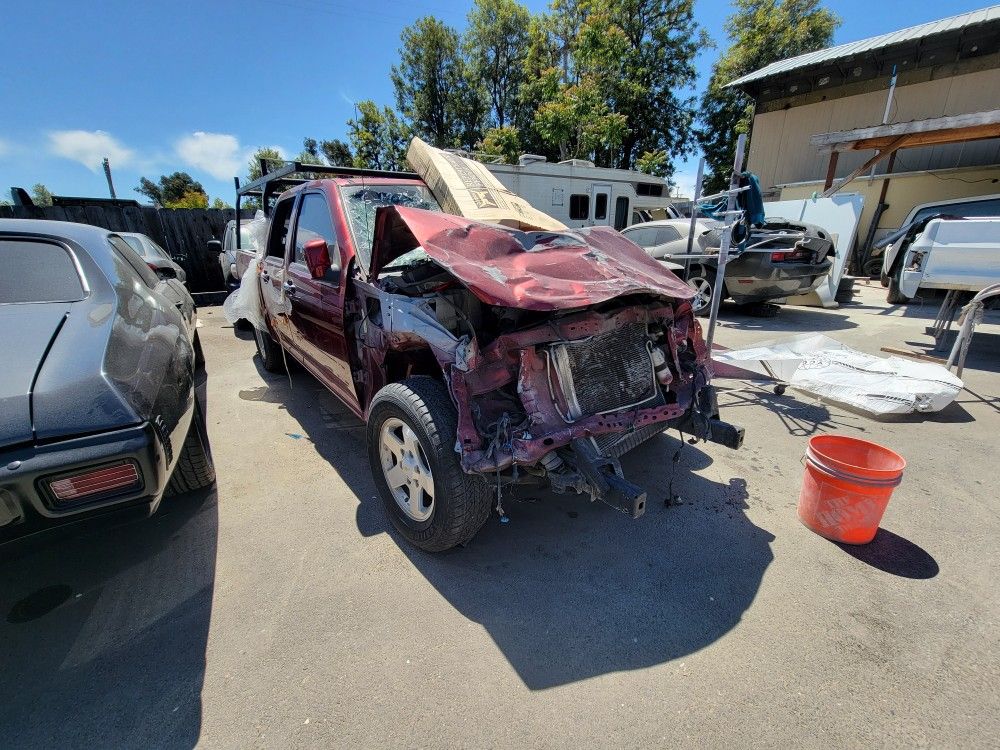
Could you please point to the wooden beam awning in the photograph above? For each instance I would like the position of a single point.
(936, 130)
(888, 139)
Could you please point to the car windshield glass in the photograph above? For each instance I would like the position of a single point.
(362, 201)
(37, 272)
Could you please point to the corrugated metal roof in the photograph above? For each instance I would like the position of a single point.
(850, 49)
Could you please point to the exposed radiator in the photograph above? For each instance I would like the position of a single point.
(605, 373)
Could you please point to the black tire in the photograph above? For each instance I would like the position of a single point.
(895, 296)
(269, 351)
(194, 468)
(461, 502)
(702, 279)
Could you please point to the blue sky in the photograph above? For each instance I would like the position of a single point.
(160, 87)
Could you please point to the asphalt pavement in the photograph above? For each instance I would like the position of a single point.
(280, 610)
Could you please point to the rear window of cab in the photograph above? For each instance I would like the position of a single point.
(37, 271)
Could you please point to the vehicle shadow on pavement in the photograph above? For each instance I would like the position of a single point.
(103, 632)
(570, 589)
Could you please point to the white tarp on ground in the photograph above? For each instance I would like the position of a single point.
(826, 368)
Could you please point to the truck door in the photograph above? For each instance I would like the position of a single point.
(272, 275)
(602, 199)
(317, 309)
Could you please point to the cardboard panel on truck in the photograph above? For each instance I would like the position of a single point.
(466, 188)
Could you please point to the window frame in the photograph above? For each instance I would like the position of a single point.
(600, 215)
(574, 200)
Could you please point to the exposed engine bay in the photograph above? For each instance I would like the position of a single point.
(542, 388)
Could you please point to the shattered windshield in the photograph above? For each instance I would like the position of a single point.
(361, 202)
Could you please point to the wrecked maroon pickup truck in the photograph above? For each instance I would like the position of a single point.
(479, 356)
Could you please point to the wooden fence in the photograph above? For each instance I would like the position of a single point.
(183, 232)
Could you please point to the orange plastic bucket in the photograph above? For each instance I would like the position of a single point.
(847, 486)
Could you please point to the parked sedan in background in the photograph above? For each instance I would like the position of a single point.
(155, 256)
(782, 258)
(98, 411)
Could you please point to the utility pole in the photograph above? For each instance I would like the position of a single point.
(107, 173)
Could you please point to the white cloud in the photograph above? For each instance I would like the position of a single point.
(218, 154)
(89, 148)
(5, 147)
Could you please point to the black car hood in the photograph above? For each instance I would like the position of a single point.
(27, 335)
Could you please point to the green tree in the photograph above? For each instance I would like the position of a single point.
(434, 90)
(496, 44)
(171, 188)
(503, 142)
(760, 32)
(378, 137)
(640, 55)
(271, 155)
(579, 121)
(219, 203)
(41, 195)
(654, 163)
(190, 199)
(337, 153)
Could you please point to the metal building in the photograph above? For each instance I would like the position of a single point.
(830, 117)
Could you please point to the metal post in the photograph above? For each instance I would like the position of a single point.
(107, 173)
(727, 235)
(236, 180)
(694, 215)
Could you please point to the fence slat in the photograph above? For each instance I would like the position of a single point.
(182, 232)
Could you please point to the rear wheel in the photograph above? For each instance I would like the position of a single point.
(194, 468)
(269, 351)
(427, 496)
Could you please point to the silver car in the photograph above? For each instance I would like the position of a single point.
(155, 256)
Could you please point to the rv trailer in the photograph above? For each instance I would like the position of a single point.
(579, 194)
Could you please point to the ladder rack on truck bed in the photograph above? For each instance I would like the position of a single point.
(273, 182)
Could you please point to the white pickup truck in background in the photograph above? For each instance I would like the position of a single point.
(962, 254)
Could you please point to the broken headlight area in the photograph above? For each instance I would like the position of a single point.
(566, 399)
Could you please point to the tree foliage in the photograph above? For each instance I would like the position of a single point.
(378, 137)
(171, 189)
(268, 154)
(435, 92)
(40, 195)
(337, 153)
(496, 44)
(190, 199)
(502, 142)
(761, 32)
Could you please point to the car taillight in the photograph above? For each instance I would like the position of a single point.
(101, 481)
(779, 256)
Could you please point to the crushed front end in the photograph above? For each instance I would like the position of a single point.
(561, 351)
(566, 399)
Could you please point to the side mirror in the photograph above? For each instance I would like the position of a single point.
(317, 257)
(213, 246)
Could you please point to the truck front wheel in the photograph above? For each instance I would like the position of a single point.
(411, 438)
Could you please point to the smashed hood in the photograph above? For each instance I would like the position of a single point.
(526, 270)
